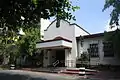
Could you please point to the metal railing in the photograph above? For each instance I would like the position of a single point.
(56, 63)
(70, 62)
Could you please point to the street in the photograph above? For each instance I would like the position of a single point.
(27, 75)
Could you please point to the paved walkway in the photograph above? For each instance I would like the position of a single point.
(50, 70)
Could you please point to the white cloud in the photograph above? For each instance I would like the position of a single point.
(44, 24)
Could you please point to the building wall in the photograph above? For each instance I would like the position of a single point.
(65, 30)
(101, 59)
(79, 31)
(46, 58)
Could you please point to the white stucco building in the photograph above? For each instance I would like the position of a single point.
(64, 44)
(100, 50)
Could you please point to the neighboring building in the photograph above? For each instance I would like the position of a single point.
(63, 44)
(100, 50)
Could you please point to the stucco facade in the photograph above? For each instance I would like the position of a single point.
(66, 31)
(101, 58)
(64, 44)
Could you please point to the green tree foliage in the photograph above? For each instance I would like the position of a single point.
(24, 13)
(27, 43)
(84, 57)
(115, 4)
(17, 45)
(8, 47)
(114, 37)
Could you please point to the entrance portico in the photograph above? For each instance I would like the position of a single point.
(56, 52)
(60, 45)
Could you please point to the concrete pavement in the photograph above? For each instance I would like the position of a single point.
(28, 75)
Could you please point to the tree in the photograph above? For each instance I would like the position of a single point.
(26, 14)
(8, 46)
(16, 14)
(114, 38)
(22, 13)
(84, 59)
(27, 43)
(115, 35)
(115, 4)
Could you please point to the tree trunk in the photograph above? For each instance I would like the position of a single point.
(5, 60)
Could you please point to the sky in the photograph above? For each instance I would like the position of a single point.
(90, 16)
(44, 25)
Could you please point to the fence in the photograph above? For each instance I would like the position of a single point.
(71, 63)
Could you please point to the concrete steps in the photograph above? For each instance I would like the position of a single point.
(64, 70)
(78, 71)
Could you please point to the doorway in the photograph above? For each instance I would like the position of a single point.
(60, 55)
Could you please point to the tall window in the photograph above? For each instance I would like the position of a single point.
(108, 49)
(93, 50)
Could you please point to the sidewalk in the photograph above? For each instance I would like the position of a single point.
(101, 75)
(48, 70)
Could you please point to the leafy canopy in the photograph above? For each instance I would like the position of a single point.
(26, 14)
(115, 35)
(27, 43)
(16, 13)
(115, 4)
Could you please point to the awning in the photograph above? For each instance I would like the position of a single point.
(61, 43)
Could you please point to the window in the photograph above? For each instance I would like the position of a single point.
(108, 49)
(93, 50)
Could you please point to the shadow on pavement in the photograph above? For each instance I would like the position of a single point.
(6, 76)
